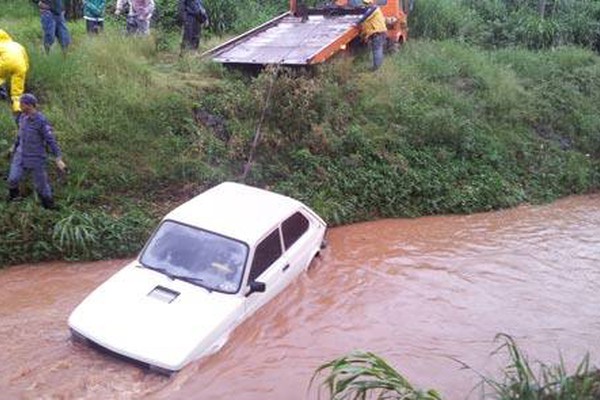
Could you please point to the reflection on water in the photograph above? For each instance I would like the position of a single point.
(422, 293)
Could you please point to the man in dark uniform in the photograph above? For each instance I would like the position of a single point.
(29, 154)
(193, 15)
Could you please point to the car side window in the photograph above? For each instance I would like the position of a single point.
(267, 252)
(292, 228)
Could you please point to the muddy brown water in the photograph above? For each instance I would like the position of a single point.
(422, 293)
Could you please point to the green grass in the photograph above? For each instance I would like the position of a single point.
(363, 375)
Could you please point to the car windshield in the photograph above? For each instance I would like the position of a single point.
(197, 256)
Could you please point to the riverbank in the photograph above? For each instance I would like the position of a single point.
(444, 127)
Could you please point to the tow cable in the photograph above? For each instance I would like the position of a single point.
(257, 131)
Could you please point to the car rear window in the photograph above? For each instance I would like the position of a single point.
(292, 228)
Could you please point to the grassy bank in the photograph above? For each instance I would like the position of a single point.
(447, 126)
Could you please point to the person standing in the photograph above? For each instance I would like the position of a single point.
(29, 152)
(193, 15)
(374, 31)
(54, 25)
(93, 13)
(14, 64)
(138, 18)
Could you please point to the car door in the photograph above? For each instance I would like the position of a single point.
(268, 266)
(300, 242)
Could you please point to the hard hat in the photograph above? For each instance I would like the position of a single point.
(368, 1)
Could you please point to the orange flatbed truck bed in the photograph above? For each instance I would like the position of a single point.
(304, 36)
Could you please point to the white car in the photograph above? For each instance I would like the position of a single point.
(211, 263)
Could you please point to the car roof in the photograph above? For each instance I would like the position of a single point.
(235, 210)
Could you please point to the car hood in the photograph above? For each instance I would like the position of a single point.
(144, 315)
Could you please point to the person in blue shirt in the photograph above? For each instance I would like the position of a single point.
(29, 152)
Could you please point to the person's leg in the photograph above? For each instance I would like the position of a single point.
(195, 38)
(3, 92)
(191, 29)
(62, 32)
(17, 88)
(89, 26)
(93, 27)
(185, 38)
(42, 186)
(377, 43)
(143, 26)
(48, 28)
(14, 177)
(131, 24)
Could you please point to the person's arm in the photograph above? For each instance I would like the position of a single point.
(50, 140)
(120, 5)
(181, 9)
(367, 14)
(15, 145)
(44, 5)
(203, 15)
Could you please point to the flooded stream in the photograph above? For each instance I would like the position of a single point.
(422, 293)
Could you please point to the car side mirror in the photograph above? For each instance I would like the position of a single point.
(256, 286)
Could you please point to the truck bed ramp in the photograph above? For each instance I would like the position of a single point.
(289, 40)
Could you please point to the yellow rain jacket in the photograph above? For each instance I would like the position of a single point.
(13, 64)
(374, 23)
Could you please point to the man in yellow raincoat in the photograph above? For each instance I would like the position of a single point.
(374, 31)
(13, 65)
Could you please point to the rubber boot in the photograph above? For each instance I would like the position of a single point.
(48, 203)
(13, 194)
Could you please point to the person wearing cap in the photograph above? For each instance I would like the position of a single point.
(54, 25)
(374, 31)
(29, 152)
(14, 64)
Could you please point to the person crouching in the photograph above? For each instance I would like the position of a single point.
(29, 152)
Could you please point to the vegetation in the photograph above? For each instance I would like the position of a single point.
(473, 114)
(360, 374)
(364, 375)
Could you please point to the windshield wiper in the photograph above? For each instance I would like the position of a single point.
(163, 271)
(192, 280)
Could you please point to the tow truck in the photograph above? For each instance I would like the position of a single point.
(310, 35)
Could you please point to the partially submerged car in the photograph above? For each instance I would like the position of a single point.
(210, 264)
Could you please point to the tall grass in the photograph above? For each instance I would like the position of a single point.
(552, 381)
(364, 375)
(497, 23)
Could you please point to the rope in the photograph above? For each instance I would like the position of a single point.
(257, 131)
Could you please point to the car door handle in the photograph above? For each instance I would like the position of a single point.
(285, 268)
